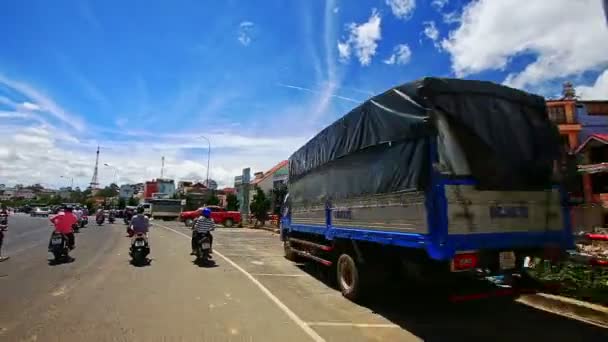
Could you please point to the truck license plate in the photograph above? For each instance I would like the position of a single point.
(507, 260)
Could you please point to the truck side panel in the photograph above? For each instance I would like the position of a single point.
(397, 212)
(392, 219)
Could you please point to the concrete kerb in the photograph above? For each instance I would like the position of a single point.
(572, 308)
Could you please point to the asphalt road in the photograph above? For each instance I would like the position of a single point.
(252, 294)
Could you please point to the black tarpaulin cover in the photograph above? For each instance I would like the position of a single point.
(382, 145)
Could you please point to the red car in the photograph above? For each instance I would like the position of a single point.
(219, 215)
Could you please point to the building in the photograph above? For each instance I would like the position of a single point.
(126, 191)
(563, 114)
(270, 179)
(583, 127)
(593, 118)
(24, 193)
(7, 194)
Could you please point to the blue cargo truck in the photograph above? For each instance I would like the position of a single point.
(437, 180)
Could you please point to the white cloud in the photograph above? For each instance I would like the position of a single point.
(38, 154)
(30, 106)
(34, 149)
(344, 50)
(245, 32)
(451, 17)
(566, 38)
(439, 4)
(431, 32)
(598, 91)
(402, 9)
(401, 55)
(42, 102)
(363, 39)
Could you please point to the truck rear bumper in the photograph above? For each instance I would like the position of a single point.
(446, 249)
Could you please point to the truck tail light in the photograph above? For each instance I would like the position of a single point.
(465, 261)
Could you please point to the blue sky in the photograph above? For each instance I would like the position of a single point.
(144, 79)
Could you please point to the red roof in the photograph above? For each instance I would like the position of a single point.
(603, 138)
(270, 172)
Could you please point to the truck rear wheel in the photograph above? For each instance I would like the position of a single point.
(228, 223)
(348, 274)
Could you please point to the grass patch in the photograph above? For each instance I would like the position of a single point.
(571, 279)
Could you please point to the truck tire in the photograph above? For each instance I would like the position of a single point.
(348, 276)
(228, 223)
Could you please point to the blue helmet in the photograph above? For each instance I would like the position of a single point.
(206, 212)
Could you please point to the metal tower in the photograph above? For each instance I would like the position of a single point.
(94, 182)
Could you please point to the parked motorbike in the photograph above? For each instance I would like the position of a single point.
(59, 247)
(139, 249)
(203, 250)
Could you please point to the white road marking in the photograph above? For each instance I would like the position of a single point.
(277, 275)
(297, 320)
(256, 262)
(356, 325)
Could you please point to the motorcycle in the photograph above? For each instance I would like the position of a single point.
(59, 247)
(139, 249)
(111, 219)
(100, 219)
(3, 228)
(76, 227)
(84, 221)
(203, 249)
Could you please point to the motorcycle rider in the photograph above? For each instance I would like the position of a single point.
(78, 212)
(202, 226)
(3, 228)
(64, 223)
(140, 223)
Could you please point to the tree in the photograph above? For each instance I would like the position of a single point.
(121, 203)
(213, 200)
(108, 191)
(278, 197)
(115, 187)
(232, 202)
(259, 206)
(132, 202)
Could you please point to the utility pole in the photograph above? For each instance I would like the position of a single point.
(162, 168)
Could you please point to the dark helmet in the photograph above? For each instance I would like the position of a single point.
(206, 212)
(140, 210)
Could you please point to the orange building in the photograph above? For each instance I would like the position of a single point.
(563, 113)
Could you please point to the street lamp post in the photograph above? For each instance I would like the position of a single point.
(208, 157)
(115, 173)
